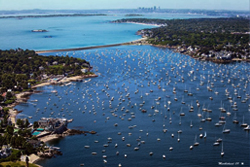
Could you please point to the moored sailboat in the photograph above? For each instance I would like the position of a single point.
(225, 130)
(222, 152)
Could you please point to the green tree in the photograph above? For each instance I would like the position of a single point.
(28, 148)
(5, 120)
(1, 141)
(9, 95)
(26, 124)
(19, 141)
(20, 123)
(3, 89)
(1, 98)
(35, 124)
(10, 130)
(13, 141)
(7, 138)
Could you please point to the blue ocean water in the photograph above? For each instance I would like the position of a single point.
(137, 77)
(71, 32)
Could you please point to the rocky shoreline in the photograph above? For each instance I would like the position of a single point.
(219, 61)
(57, 151)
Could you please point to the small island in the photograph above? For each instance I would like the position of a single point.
(221, 40)
(131, 15)
(40, 30)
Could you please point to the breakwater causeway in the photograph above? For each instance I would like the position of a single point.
(139, 41)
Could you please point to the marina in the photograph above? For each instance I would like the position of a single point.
(140, 104)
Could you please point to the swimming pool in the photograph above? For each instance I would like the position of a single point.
(35, 133)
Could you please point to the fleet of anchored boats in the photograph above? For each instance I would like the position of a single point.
(145, 87)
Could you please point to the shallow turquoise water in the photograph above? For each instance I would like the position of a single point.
(70, 32)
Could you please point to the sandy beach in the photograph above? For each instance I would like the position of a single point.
(22, 97)
(145, 24)
(65, 80)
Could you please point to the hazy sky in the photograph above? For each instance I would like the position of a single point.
(121, 4)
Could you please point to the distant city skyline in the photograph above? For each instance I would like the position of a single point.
(125, 4)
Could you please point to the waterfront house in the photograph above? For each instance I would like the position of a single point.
(41, 68)
(55, 63)
(55, 125)
(84, 70)
(85, 65)
(45, 76)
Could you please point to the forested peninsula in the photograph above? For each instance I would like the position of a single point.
(21, 69)
(216, 39)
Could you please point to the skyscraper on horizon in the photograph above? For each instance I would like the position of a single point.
(149, 9)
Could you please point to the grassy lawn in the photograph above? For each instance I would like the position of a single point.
(17, 164)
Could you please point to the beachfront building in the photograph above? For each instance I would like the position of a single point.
(84, 70)
(54, 125)
(54, 79)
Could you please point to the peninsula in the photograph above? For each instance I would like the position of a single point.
(23, 70)
(220, 40)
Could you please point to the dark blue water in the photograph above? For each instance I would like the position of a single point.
(153, 73)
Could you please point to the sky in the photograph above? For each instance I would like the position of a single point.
(124, 4)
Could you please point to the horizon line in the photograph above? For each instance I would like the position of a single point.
(126, 9)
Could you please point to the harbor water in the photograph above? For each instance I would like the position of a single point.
(148, 105)
(137, 100)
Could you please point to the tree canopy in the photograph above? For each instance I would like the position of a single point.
(206, 34)
(20, 67)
